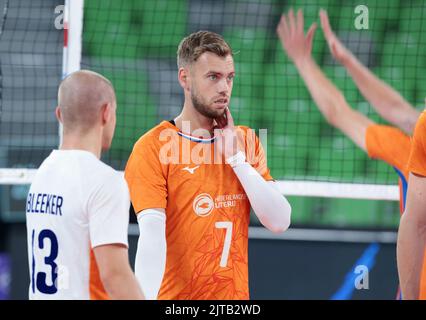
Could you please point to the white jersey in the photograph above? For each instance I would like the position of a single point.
(75, 203)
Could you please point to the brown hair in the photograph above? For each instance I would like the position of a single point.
(194, 45)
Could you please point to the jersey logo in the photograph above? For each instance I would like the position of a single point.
(203, 205)
(191, 170)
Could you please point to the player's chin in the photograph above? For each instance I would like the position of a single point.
(218, 108)
(215, 113)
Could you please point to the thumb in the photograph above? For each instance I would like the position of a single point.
(334, 51)
(310, 35)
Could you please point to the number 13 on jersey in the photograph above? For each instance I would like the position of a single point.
(44, 282)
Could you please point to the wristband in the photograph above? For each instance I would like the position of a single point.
(237, 159)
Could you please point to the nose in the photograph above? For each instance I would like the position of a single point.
(224, 87)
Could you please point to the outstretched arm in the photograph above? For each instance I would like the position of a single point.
(328, 98)
(386, 101)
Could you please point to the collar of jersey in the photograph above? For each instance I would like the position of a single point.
(189, 137)
(195, 139)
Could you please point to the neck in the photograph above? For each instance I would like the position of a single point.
(195, 119)
(88, 142)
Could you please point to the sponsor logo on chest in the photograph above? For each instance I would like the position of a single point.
(204, 203)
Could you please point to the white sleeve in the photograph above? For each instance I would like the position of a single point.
(269, 205)
(151, 253)
(108, 210)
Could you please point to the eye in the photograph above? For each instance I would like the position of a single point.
(212, 77)
(231, 77)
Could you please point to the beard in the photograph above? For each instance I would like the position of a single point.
(204, 108)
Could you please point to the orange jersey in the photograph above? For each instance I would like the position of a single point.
(207, 211)
(417, 161)
(392, 146)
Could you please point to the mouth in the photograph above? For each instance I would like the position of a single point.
(222, 103)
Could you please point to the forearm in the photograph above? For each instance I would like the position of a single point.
(122, 286)
(327, 97)
(410, 250)
(151, 253)
(116, 275)
(269, 205)
(387, 102)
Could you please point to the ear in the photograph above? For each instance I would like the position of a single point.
(106, 112)
(184, 78)
(58, 114)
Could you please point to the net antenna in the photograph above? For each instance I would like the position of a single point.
(73, 27)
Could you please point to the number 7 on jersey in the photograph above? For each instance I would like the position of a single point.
(228, 237)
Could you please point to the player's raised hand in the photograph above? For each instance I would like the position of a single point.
(292, 36)
(338, 50)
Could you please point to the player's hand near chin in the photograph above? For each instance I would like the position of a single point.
(229, 139)
(272, 209)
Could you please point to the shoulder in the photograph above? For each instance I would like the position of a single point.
(385, 133)
(419, 131)
(104, 177)
(154, 138)
(244, 128)
(246, 131)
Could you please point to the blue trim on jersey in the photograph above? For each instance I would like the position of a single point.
(404, 186)
(211, 140)
(367, 259)
(33, 264)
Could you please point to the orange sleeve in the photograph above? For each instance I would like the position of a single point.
(145, 176)
(255, 154)
(417, 160)
(388, 144)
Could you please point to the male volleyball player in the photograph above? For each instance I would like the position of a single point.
(388, 143)
(412, 229)
(193, 210)
(78, 207)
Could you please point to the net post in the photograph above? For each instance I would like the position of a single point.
(73, 30)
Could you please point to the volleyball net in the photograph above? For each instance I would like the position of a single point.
(134, 43)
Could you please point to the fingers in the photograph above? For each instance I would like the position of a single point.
(300, 22)
(325, 23)
(291, 25)
(310, 35)
(282, 29)
(230, 119)
(292, 22)
(334, 51)
(221, 122)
